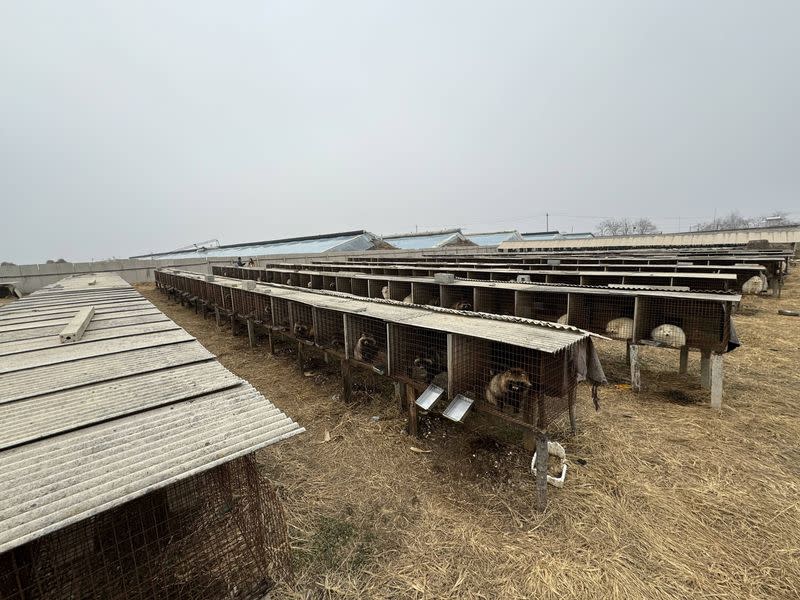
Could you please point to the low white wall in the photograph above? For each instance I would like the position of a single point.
(29, 278)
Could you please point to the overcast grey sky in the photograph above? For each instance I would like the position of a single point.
(139, 126)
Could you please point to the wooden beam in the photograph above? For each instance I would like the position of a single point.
(347, 381)
(413, 417)
(73, 331)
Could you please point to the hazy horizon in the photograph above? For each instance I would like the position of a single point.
(131, 128)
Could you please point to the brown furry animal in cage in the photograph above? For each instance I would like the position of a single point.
(366, 349)
(461, 305)
(433, 301)
(303, 331)
(508, 387)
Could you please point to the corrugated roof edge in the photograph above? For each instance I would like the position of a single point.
(307, 238)
(474, 314)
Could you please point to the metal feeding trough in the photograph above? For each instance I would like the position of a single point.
(429, 397)
(457, 409)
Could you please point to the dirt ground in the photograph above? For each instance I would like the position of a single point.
(664, 498)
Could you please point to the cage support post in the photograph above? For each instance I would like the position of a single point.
(347, 381)
(300, 356)
(400, 395)
(628, 352)
(216, 314)
(234, 328)
(684, 361)
(251, 333)
(705, 370)
(573, 422)
(541, 471)
(716, 380)
(413, 417)
(203, 309)
(636, 374)
(270, 342)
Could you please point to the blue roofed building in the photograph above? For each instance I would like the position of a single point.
(348, 241)
(426, 240)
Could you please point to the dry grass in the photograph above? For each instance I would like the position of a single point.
(664, 498)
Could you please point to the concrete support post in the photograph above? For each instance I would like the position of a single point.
(683, 366)
(636, 375)
(413, 417)
(251, 333)
(716, 380)
(542, 457)
(705, 369)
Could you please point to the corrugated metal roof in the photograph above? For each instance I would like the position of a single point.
(135, 405)
(774, 235)
(425, 239)
(493, 238)
(540, 335)
(350, 242)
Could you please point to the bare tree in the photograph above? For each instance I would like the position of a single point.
(734, 220)
(625, 226)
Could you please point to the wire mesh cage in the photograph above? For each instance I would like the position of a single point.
(329, 329)
(302, 317)
(343, 284)
(673, 322)
(544, 306)
(457, 297)
(378, 288)
(281, 319)
(316, 282)
(219, 534)
(303, 279)
(329, 282)
(520, 385)
(425, 293)
(494, 300)
(610, 315)
(400, 290)
(418, 356)
(366, 341)
(359, 287)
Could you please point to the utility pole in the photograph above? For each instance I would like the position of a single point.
(547, 221)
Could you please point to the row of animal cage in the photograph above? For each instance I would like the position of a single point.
(505, 375)
(672, 319)
(694, 281)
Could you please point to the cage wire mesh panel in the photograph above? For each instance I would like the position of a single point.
(672, 322)
(329, 329)
(609, 315)
(544, 306)
(494, 300)
(425, 293)
(378, 288)
(400, 290)
(366, 341)
(218, 534)
(457, 297)
(418, 356)
(523, 386)
(281, 318)
(302, 321)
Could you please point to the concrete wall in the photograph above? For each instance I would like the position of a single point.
(29, 278)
